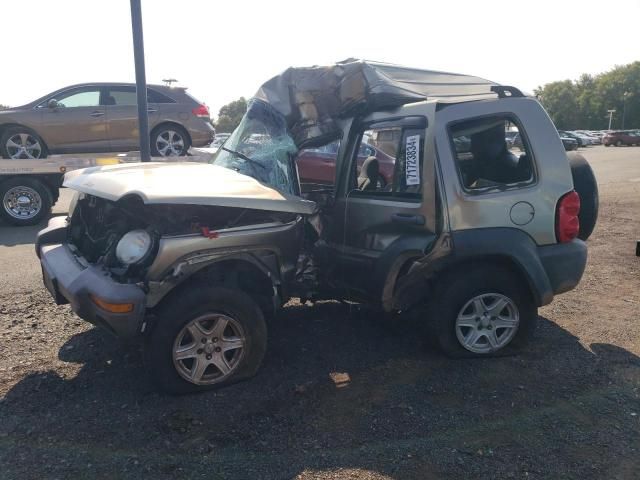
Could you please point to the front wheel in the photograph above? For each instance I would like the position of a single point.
(205, 338)
(481, 311)
(25, 201)
(169, 141)
(21, 143)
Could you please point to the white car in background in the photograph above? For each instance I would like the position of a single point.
(586, 139)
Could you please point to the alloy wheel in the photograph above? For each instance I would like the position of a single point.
(487, 323)
(23, 145)
(170, 143)
(209, 349)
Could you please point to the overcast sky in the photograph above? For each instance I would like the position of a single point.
(222, 50)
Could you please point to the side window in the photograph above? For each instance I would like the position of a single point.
(492, 153)
(389, 162)
(86, 98)
(120, 96)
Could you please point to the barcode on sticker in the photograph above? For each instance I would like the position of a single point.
(413, 160)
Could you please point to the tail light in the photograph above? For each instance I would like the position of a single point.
(567, 223)
(201, 111)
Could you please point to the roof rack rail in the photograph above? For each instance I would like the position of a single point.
(505, 91)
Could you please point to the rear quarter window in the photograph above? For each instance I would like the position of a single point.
(153, 96)
(492, 153)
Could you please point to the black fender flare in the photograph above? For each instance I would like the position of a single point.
(389, 266)
(504, 244)
(510, 247)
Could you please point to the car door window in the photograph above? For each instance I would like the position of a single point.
(85, 98)
(389, 162)
(120, 96)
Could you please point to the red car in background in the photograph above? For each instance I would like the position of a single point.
(318, 165)
(623, 137)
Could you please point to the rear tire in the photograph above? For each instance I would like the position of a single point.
(584, 182)
(464, 292)
(198, 309)
(24, 201)
(169, 141)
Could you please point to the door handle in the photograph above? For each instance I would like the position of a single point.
(408, 219)
(152, 110)
(97, 113)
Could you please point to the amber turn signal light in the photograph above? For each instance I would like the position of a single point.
(112, 307)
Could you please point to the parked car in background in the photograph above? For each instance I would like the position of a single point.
(317, 166)
(621, 138)
(219, 140)
(580, 141)
(569, 143)
(103, 117)
(585, 139)
(595, 139)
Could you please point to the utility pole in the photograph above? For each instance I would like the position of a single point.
(610, 112)
(141, 80)
(624, 106)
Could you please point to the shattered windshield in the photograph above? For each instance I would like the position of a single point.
(262, 148)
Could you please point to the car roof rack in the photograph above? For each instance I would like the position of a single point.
(505, 91)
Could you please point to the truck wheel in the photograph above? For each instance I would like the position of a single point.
(205, 338)
(169, 141)
(584, 182)
(481, 311)
(21, 143)
(25, 201)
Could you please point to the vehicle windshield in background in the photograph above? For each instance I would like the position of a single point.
(262, 148)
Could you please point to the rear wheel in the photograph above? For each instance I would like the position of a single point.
(205, 338)
(584, 182)
(169, 141)
(481, 311)
(25, 201)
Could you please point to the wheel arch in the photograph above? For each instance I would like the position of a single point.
(163, 123)
(509, 248)
(244, 272)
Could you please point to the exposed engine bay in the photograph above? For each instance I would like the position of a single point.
(97, 225)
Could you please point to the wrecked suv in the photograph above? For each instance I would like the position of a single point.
(470, 235)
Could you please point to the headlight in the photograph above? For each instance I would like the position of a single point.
(133, 246)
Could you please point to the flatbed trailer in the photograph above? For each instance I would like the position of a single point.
(30, 187)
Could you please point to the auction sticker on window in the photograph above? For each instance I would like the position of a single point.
(413, 160)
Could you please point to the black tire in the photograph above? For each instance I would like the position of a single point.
(181, 309)
(163, 129)
(10, 132)
(619, 143)
(584, 182)
(34, 190)
(460, 286)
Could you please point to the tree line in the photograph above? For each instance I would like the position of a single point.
(585, 103)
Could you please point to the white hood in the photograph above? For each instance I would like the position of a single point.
(183, 183)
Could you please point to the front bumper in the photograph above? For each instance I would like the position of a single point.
(69, 281)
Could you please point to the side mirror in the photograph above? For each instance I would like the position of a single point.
(53, 103)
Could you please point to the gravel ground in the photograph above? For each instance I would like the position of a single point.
(341, 394)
